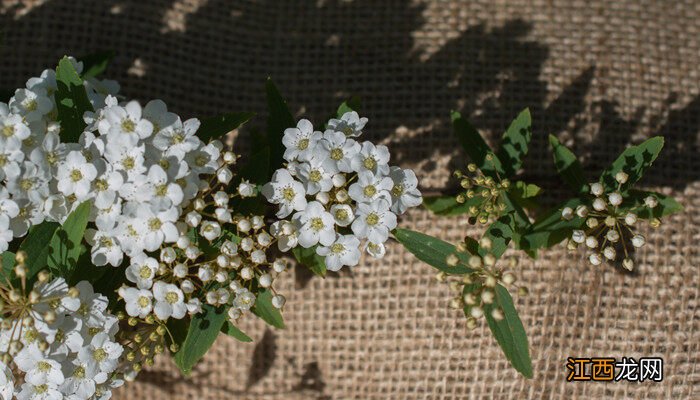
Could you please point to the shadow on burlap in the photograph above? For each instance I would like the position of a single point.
(600, 75)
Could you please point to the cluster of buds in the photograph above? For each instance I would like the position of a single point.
(143, 340)
(609, 226)
(475, 292)
(220, 258)
(484, 192)
(55, 338)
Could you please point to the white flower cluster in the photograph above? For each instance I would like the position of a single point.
(59, 341)
(207, 264)
(138, 165)
(340, 191)
(609, 227)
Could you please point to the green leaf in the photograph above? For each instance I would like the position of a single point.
(96, 63)
(633, 161)
(71, 101)
(500, 232)
(218, 126)
(567, 165)
(353, 104)
(310, 259)
(201, 334)
(278, 119)
(509, 332)
(65, 245)
(448, 205)
(515, 142)
(667, 204)
(475, 146)
(7, 261)
(263, 308)
(523, 194)
(432, 251)
(551, 229)
(35, 244)
(231, 330)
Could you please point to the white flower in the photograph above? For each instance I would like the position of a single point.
(349, 124)
(179, 138)
(317, 174)
(11, 156)
(50, 152)
(13, 130)
(370, 187)
(161, 192)
(128, 159)
(158, 226)
(101, 355)
(285, 191)
(244, 299)
(301, 141)
(75, 175)
(7, 384)
(374, 221)
(31, 104)
(106, 188)
(142, 271)
(315, 225)
(404, 193)
(286, 234)
(106, 247)
(371, 158)
(38, 392)
(376, 250)
(204, 160)
(31, 183)
(343, 251)
(169, 301)
(157, 112)
(125, 125)
(139, 302)
(39, 368)
(340, 149)
(342, 214)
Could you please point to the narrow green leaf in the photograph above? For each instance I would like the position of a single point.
(524, 194)
(7, 261)
(667, 204)
(448, 205)
(633, 161)
(310, 259)
(353, 104)
(35, 245)
(201, 334)
(475, 146)
(218, 126)
(500, 232)
(278, 119)
(509, 332)
(432, 251)
(567, 165)
(263, 308)
(96, 63)
(515, 142)
(71, 101)
(65, 245)
(550, 228)
(233, 331)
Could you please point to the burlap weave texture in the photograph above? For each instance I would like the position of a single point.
(598, 74)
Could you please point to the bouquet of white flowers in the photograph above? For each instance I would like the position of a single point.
(127, 232)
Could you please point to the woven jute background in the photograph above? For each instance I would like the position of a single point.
(599, 74)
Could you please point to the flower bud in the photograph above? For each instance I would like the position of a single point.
(182, 242)
(338, 180)
(631, 218)
(599, 204)
(279, 266)
(229, 157)
(651, 201)
(246, 189)
(487, 296)
(265, 280)
(609, 253)
(567, 213)
(615, 199)
(243, 225)
(193, 219)
(224, 175)
(612, 236)
(222, 261)
(497, 314)
(168, 255)
(199, 204)
(278, 301)
(221, 198)
(247, 244)
(247, 273)
(596, 189)
(476, 312)
(341, 196)
(187, 286)
(591, 242)
(180, 271)
(621, 177)
(257, 221)
(595, 259)
(508, 278)
(323, 197)
(582, 211)
(258, 257)
(628, 264)
(578, 236)
(638, 241)
(452, 260)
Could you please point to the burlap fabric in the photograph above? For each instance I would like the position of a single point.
(599, 74)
